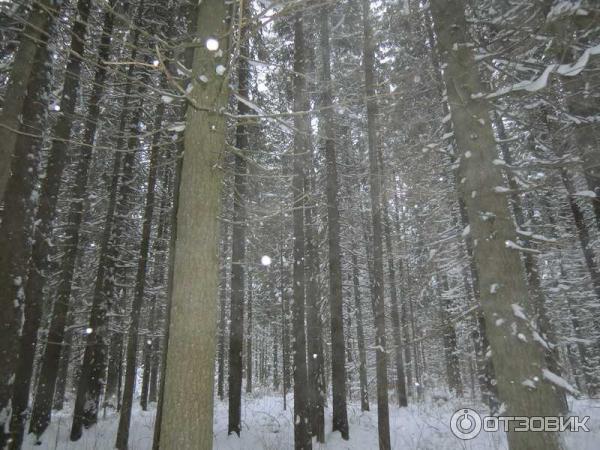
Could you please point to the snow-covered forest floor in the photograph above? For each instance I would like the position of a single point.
(424, 426)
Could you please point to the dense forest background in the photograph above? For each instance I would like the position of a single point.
(353, 202)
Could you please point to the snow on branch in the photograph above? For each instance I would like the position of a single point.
(568, 70)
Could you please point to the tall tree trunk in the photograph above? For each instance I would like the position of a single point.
(38, 266)
(151, 352)
(238, 237)
(274, 332)
(15, 230)
(397, 332)
(285, 341)
(147, 357)
(18, 93)
(42, 406)
(160, 251)
(302, 439)
(360, 338)
(450, 339)
(405, 334)
(119, 258)
(485, 366)
(114, 372)
(314, 333)
(140, 285)
(93, 368)
(536, 292)
(383, 415)
(187, 410)
(515, 353)
(173, 214)
(338, 364)
(62, 369)
(249, 358)
(222, 312)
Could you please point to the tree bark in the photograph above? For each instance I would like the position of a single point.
(140, 285)
(485, 366)
(450, 339)
(314, 333)
(222, 313)
(187, 412)
(160, 250)
(536, 292)
(34, 38)
(338, 351)
(360, 338)
(147, 357)
(302, 439)
(515, 353)
(38, 265)
(383, 417)
(17, 218)
(249, 358)
(93, 368)
(42, 406)
(238, 238)
(285, 341)
(397, 332)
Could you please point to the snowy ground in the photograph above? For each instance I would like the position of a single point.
(267, 426)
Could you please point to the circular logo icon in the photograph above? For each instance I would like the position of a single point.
(465, 424)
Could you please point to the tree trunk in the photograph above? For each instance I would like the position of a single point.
(112, 392)
(383, 417)
(515, 353)
(338, 365)
(285, 341)
(173, 214)
(238, 238)
(222, 312)
(314, 333)
(140, 285)
(147, 358)
(42, 406)
(18, 92)
(485, 366)
(405, 334)
(15, 231)
(450, 339)
(160, 251)
(302, 439)
(536, 292)
(249, 358)
(63, 368)
(38, 265)
(397, 332)
(360, 338)
(187, 411)
(93, 368)
(274, 333)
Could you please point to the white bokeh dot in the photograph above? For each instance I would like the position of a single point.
(265, 260)
(212, 44)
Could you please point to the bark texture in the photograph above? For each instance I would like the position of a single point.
(187, 410)
(516, 355)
